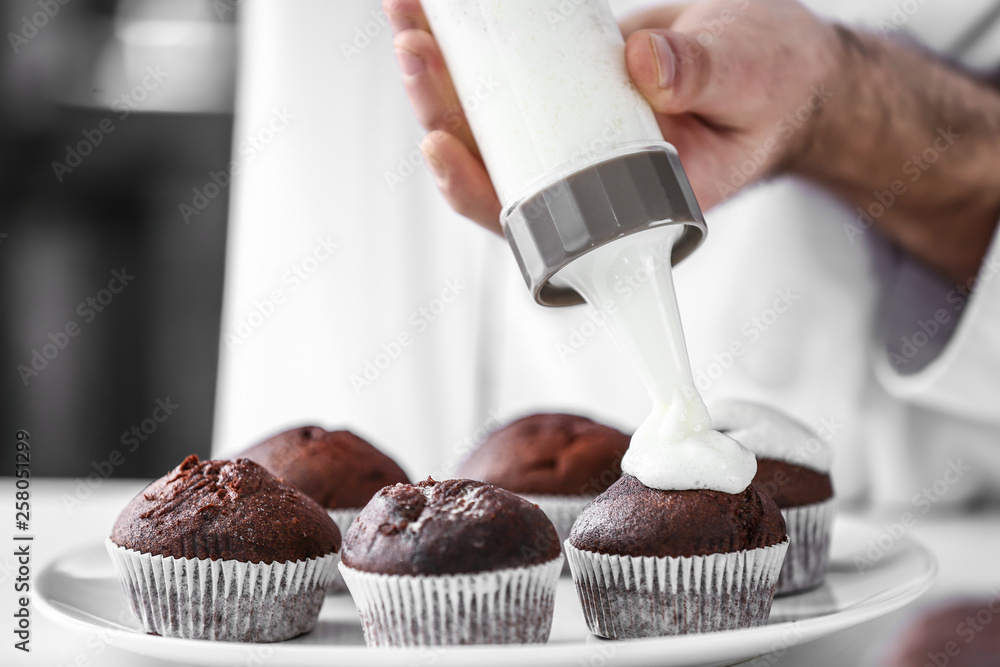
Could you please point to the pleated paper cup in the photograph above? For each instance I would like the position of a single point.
(625, 596)
(223, 600)
(808, 554)
(343, 519)
(562, 511)
(510, 606)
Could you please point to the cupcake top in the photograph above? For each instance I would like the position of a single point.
(225, 510)
(771, 434)
(556, 454)
(631, 519)
(790, 485)
(457, 526)
(337, 469)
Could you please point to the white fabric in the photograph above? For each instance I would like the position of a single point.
(963, 378)
(778, 276)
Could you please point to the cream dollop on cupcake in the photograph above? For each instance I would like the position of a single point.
(793, 468)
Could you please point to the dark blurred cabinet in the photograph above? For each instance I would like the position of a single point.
(110, 299)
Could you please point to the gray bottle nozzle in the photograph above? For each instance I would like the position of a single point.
(635, 189)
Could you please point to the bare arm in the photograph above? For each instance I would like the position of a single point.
(914, 146)
(748, 90)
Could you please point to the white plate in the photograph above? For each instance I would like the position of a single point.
(80, 590)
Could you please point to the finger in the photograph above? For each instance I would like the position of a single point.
(671, 69)
(429, 86)
(462, 179)
(405, 15)
(661, 17)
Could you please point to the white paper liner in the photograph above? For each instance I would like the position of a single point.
(510, 606)
(343, 519)
(808, 554)
(563, 511)
(223, 600)
(625, 597)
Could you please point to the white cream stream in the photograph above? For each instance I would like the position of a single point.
(675, 448)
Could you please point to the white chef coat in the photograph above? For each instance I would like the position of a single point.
(356, 298)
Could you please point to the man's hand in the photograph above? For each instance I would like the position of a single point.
(737, 85)
(720, 96)
(746, 89)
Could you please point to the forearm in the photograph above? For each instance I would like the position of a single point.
(914, 146)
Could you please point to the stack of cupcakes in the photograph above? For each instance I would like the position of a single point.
(338, 469)
(793, 468)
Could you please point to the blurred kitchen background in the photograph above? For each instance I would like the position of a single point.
(116, 126)
(112, 114)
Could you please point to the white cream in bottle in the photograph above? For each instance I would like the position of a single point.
(542, 83)
(544, 86)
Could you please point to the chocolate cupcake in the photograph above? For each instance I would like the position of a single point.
(793, 468)
(453, 562)
(953, 633)
(559, 462)
(650, 563)
(337, 469)
(223, 550)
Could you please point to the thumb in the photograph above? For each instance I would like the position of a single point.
(671, 70)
